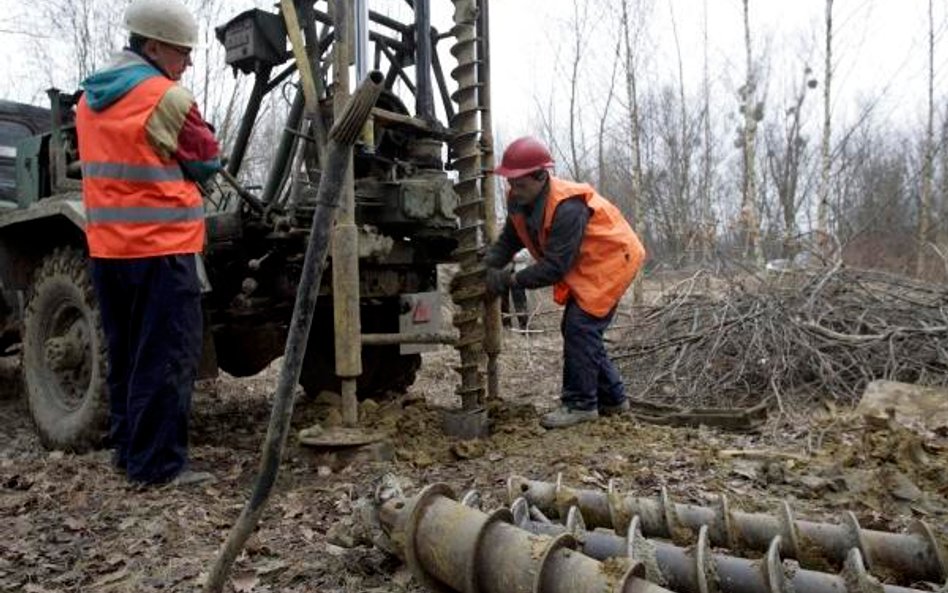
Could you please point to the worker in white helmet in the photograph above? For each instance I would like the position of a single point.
(144, 147)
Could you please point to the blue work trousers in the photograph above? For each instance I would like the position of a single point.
(590, 380)
(151, 314)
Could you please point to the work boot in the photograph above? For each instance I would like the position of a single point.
(563, 417)
(614, 410)
(189, 477)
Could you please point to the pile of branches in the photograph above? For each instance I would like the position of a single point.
(819, 333)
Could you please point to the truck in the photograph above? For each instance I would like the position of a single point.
(418, 204)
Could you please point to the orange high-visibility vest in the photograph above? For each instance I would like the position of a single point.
(137, 203)
(610, 254)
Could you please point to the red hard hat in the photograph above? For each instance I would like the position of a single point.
(524, 156)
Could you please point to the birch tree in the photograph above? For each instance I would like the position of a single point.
(928, 156)
(706, 218)
(752, 112)
(576, 136)
(631, 84)
(685, 143)
(822, 214)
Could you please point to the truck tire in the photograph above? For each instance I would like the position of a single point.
(64, 354)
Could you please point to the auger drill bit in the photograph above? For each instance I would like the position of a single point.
(450, 546)
(468, 287)
(697, 570)
(909, 557)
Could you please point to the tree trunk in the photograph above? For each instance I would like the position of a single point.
(603, 120)
(635, 140)
(751, 116)
(707, 226)
(925, 208)
(822, 213)
(576, 137)
(685, 223)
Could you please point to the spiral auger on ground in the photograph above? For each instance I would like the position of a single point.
(697, 570)
(451, 546)
(468, 287)
(905, 557)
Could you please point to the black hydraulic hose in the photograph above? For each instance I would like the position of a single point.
(260, 83)
(342, 137)
(281, 158)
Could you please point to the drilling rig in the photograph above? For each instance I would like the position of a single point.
(420, 196)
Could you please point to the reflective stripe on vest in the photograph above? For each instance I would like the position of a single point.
(143, 215)
(610, 254)
(125, 172)
(137, 203)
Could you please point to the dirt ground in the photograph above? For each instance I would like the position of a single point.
(70, 523)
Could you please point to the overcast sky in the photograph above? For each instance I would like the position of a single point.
(880, 49)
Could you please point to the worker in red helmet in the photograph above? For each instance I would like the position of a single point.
(588, 252)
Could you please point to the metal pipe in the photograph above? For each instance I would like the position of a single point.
(260, 85)
(337, 166)
(468, 285)
(244, 194)
(450, 546)
(442, 83)
(345, 245)
(395, 70)
(362, 38)
(424, 97)
(697, 570)
(281, 77)
(281, 157)
(493, 327)
(375, 36)
(389, 22)
(393, 339)
(914, 556)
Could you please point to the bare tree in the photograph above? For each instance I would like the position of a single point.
(604, 118)
(89, 29)
(576, 136)
(631, 83)
(682, 165)
(785, 158)
(706, 218)
(822, 215)
(928, 156)
(752, 112)
(943, 186)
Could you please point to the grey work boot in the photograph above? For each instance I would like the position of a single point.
(614, 410)
(190, 477)
(563, 417)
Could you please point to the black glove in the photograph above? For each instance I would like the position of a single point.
(498, 281)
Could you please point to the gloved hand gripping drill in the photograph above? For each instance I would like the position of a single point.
(500, 280)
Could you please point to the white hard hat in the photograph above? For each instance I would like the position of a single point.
(165, 20)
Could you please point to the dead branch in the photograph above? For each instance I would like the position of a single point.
(812, 333)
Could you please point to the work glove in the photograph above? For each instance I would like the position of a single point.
(498, 281)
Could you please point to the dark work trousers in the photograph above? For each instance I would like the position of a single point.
(590, 380)
(151, 314)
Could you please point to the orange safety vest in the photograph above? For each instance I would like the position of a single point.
(137, 203)
(610, 254)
